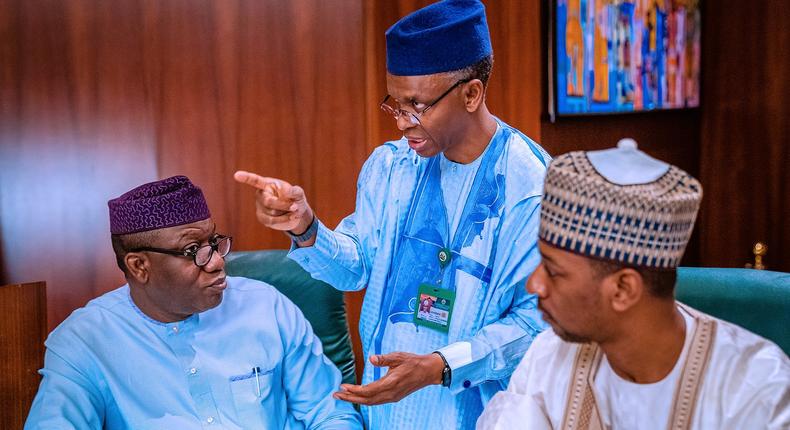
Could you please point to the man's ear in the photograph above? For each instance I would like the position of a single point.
(474, 95)
(629, 286)
(137, 266)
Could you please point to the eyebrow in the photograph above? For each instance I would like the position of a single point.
(406, 101)
(546, 258)
(192, 233)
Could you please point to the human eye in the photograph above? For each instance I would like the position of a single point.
(191, 249)
(550, 271)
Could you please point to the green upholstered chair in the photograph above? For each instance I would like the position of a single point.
(321, 304)
(757, 300)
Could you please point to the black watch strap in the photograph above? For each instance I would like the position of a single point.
(447, 373)
(308, 234)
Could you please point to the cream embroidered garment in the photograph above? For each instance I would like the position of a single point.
(746, 385)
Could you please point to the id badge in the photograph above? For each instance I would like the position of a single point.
(434, 307)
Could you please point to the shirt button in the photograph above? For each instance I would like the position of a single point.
(175, 329)
(210, 420)
(193, 370)
(467, 384)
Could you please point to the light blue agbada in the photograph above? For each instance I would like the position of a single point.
(108, 366)
(408, 209)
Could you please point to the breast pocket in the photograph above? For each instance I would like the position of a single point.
(259, 398)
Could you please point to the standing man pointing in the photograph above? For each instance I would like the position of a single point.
(445, 216)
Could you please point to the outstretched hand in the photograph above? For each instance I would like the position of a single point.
(279, 205)
(407, 373)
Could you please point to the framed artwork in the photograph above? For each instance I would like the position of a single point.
(614, 56)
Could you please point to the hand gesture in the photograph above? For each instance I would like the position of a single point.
(278, 204)
(407, 373)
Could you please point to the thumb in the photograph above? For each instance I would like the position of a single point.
(386, 360)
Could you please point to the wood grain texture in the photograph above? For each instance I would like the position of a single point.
(745, 142)
(515, 91)
(23, 328)
(98, 97)
(75, 131)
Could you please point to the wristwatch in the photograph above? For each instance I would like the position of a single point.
(447, 373)
(308, 234)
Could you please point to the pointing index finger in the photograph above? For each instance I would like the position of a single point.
(256, 181)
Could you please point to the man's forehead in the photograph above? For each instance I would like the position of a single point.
(556, 255)
(546, 250)
(195, 230)
(414, 87)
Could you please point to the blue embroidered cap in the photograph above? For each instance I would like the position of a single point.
(443, 37)
(619, 205)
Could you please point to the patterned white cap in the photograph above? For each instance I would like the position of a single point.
(619, 205)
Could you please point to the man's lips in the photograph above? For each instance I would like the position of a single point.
(219, 284)
(546, 316)
(415, 143)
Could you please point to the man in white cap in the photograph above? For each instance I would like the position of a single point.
(448, 215)
(623, 354)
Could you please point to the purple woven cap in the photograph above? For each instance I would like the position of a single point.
(166, 203)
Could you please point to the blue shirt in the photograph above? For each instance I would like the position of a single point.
(494, 319)
(252, 362)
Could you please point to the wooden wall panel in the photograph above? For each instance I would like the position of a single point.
(100, 96)
(746, 133)
(75, 130)
(23, 327)
(515, 91)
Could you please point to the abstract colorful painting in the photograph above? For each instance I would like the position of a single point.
(626, 55)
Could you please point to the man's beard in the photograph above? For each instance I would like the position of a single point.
(572, 337)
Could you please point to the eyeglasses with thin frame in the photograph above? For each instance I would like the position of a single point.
(200, 255)
(414, 117)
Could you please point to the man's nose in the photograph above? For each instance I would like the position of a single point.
(215, 263)
(536, 283)
(404, 121)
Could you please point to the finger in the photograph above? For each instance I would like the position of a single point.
(295, 192)
(262, 207)
(272, 202)
(369, 390)
(372, 393)
(387, 360)
(360, 400)
(257, 181)
(349, 387)
(266, 219)
(273, 212)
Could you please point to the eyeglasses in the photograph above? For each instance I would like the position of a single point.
(414, 117)
(200, 255)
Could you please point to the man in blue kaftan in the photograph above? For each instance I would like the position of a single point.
(182, 346)
(443, 235)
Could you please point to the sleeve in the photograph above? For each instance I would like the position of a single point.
(511, 411)
(343, 257)
(756, 391)
(495, 351)
(66, 398)
(311, 378)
